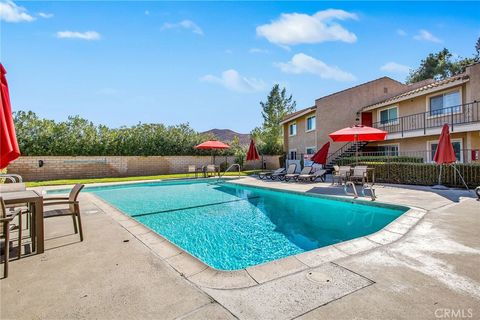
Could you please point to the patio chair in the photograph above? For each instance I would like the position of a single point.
(193, 169)
(72, 210)
(294, 176)
(319, 174)
(290, 170)
(6, 226)
(14, 178)
(359, 174)
(268, 174)
(340, 174)
(210, 168)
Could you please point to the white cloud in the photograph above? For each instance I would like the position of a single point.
(185, 24)
(232, 80)
(401, 32)
(424, 35)
(45, 15)
(297, 28)
(258, 50)
(10, 12)
(394, 67)
(302, 63)
(88, 35)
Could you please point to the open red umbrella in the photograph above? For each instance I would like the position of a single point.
(358, 133)
(320, 156)
(212, 145)
(252, 153)
(9, 149)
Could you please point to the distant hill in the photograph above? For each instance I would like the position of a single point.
(227, 135)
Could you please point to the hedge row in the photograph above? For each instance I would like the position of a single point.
(426, 173)
(379, 159)
(80, 137)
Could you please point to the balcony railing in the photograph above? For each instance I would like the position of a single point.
(453, 116)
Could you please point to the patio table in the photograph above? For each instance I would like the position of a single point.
(36, 201)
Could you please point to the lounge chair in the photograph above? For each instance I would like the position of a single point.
(290, 170)
(359, 174)
(319, 174)
(268, 174)
(72, 210)
(294, 176)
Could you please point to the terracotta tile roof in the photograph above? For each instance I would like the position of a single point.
(419, 89)
(298, 113)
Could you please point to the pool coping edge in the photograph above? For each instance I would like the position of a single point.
(203, 275)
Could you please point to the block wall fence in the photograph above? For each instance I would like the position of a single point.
(60, 167)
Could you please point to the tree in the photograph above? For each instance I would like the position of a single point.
(477, 50)
(441, 65)
(269, 136)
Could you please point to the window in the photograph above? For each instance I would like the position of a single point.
(457, 147)
(293, 154)
(310, 150)
(311, 123)
(389, 149)
(445, 103)
(389, 116)
(292, 129)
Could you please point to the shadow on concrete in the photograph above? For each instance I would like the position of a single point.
(451, 194)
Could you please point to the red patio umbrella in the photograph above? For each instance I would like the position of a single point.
(358, 133)
(212, 145)
(252, 153)
(320, 156)
(445, 154)
(9, 149)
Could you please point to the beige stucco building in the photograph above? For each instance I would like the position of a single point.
(413, 116)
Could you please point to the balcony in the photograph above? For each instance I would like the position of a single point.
(461, 118)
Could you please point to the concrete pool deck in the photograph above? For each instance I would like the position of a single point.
(432, 267)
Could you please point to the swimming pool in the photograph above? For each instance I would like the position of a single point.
(229, 226)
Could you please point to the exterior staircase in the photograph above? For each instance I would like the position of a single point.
(347, 150)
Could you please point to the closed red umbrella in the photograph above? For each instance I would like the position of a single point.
(9, 149)
(320, 156)
(445, 153)
(252, 153)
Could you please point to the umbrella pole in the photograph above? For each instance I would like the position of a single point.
(356, 149)
(440, 175)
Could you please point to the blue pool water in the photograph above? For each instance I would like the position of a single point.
(231, 227)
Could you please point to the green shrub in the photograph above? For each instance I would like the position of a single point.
(426, 173)
(379, 159)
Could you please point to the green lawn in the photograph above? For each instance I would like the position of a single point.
(99, 180)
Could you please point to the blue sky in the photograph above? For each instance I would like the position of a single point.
(210, 63)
